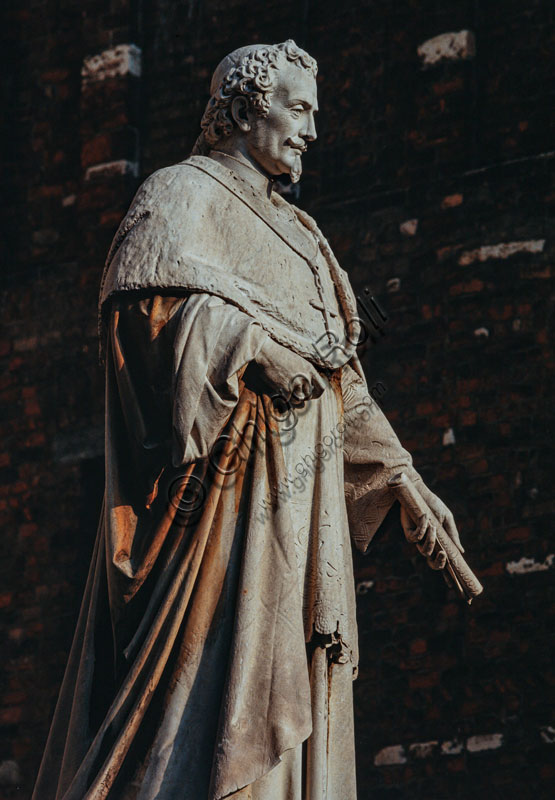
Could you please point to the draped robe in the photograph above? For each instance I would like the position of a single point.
(216, 644)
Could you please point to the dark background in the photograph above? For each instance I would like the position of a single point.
(465, 148)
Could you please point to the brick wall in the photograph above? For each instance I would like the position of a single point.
(433, 180)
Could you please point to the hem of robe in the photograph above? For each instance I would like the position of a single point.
(323, 766)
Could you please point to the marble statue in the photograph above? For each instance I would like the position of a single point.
(216, 645)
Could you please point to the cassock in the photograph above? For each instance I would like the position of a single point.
(216, 644)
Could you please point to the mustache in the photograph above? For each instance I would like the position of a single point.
(298, 144)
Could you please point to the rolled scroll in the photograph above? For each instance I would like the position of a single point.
(464, 579)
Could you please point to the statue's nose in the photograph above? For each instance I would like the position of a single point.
(309, 134)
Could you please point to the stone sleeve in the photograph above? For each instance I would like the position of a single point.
(372, 454)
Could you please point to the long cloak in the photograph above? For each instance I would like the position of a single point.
(217, 632)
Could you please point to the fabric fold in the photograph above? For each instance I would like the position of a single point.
(373, 454)
(182, 581)
(185, 231)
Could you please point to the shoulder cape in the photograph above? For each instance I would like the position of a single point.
(199, 227)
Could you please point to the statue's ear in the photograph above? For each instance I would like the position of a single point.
(240, 113)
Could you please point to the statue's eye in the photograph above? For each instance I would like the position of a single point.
(296, 111)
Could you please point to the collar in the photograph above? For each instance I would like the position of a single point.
(272, 213)
(258, 180)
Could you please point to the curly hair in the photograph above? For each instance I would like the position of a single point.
(253, 75)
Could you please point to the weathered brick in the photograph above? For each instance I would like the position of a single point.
(124, 59)
(447, 47)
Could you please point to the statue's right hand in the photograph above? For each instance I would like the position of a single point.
(287, 375)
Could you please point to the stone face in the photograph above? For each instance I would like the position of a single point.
(459, 46)
(125, 59)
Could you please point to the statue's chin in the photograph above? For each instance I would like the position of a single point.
(295, 175)
(296, 170)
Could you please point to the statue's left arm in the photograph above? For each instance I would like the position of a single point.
(373, 454)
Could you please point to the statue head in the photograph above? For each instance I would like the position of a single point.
(263, 100)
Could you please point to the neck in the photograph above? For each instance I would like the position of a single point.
(238, 161)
